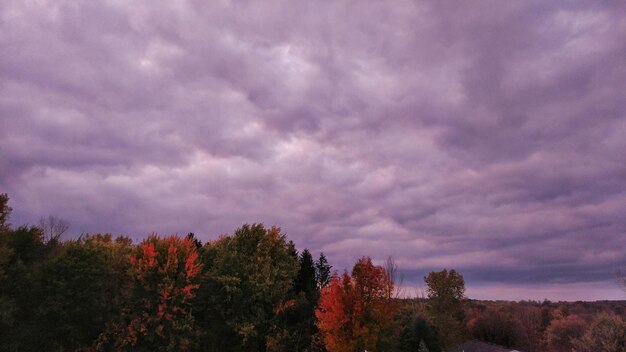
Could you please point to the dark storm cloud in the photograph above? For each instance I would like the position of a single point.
(488, 137)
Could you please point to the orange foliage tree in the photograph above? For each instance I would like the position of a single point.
(356, 312)
(561, 333)
(163, 279)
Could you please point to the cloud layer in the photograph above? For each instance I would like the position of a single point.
(489, 137)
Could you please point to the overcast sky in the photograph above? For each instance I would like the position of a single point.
(485, 136)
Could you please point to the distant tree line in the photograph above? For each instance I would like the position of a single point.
(249, 291)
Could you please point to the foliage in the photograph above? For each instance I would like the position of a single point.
(355, 312)
(246, 288)
(528, 331)
(157, 313)
(417, 334)
(336, 308)
(606, 333)
(446, 292)
(562, 332)
(322, 271)
(252, 292)
(24, 255)
(495, 325)
(300, 321)
(74, 285)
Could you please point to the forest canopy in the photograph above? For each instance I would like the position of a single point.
(251, 291)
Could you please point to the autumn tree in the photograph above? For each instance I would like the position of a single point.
(335, 315)
(157, 313)
(495, 325)
(561, 333)
(446, 293)
(607, 333)
(375, 292)
(528, 319)
(355, 312)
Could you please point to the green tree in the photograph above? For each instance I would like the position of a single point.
(417, 331)
(446, 293)
(246, 288)
(75, 285)
(300, 321)
(20, 286)
(322, 271)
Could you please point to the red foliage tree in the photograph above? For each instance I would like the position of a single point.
(164, 277)
(334, 318)
(356, 312)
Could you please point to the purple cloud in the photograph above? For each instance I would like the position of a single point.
(486, 137)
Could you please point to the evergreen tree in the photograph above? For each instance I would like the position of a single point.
(322, 271)
(416, 330)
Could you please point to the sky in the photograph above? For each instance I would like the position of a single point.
(484, 136)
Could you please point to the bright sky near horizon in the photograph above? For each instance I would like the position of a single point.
(484, 136)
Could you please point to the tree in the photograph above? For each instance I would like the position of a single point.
(561, 333)
(246, 289)
(5, 251)
(306, 292)
(297, 323)
(5, 211)
(73, 307)
(306, 280)
(53, 228)
(495, 325)
(355, 312)
(335, 319)
(417, 334)
(606, 333)
(528, 319)
(446, 292)
(374, 290)
(395, 277)
(22, 252)
(322, 271)
(157, 313)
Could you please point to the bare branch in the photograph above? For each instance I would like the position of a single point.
(394, 276)
(53, 227)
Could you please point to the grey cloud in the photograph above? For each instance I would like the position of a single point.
(486, 137)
